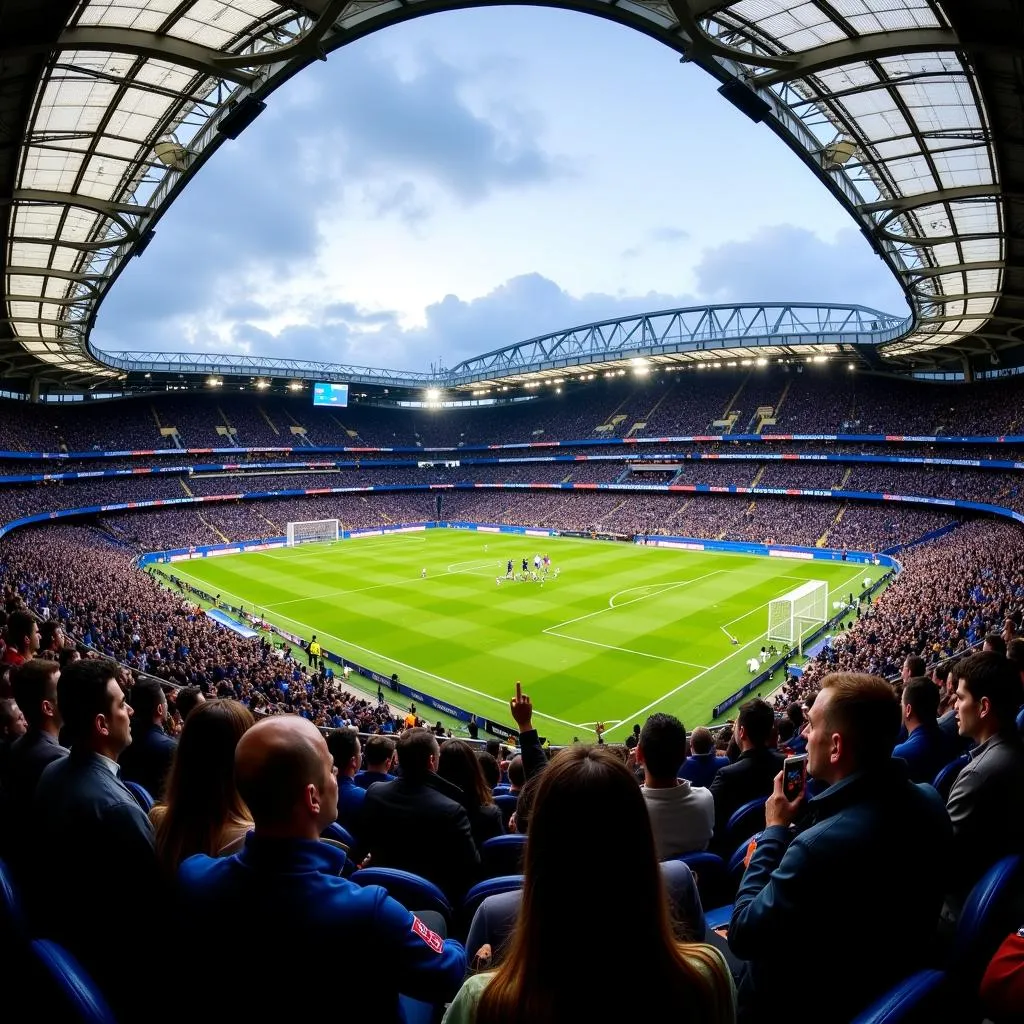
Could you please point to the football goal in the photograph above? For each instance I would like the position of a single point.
(790, 616)
(314, 530)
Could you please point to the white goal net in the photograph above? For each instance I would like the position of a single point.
(791, 615)
(314, 530)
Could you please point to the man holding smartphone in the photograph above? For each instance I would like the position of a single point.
(834, 883)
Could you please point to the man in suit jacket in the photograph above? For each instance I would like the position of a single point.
(35, 690)
(95, 877)
(148, 760)
(417, 823)
(927, 749)
(986, 803)
(753, 774)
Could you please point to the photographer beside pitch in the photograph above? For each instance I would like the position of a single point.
(842, 881)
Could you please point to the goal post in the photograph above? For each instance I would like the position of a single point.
(311, 531)
(790, 616)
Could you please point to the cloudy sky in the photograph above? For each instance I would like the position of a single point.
(469, 180)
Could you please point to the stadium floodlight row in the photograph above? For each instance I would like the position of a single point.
(902, 109)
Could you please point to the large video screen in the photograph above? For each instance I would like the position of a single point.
(330, 394)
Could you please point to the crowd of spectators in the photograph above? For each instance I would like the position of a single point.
(665, 404)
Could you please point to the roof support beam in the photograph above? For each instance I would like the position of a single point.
(107, 207)
(862, 48)
(100, 38)
(947, 195)
(956, 268)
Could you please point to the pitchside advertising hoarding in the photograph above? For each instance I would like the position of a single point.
(330, 394)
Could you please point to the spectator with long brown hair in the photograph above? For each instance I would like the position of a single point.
(459, 764)
(202, 811)
(590, 844)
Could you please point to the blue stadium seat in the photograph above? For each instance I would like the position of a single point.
(503, 855)
(914, 1000)
(141, 794)
(745, 821)
(501, 789)
(12, 916)
(719, 916)
(70, 995)
(989, 914)
(480, 892)
(1020, 720)
(711, 875)
(943, 782)
(339, 834)
(412, 891)
(506, 803)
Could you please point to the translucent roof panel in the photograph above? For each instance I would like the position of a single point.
(884, 84)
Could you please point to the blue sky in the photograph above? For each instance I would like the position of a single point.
(472, 179)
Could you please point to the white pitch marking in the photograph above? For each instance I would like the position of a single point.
(602, 611)
(624, 650)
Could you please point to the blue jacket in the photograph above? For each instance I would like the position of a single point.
(286, 895)
(927, 751)
(350, 804)
(864, 880)
(701, 769)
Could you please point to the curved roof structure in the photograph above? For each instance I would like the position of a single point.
(906, 110)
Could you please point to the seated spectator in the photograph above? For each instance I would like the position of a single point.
(422, 804)
(986, 803)
(202, 811)
(869, 814)
(701, 767)
(798, 742)
(147, 760)
(379, 755)
(490, 767)
(22, 638)
(344, 746)
(93, 840)
(913, 668)
(35, 688)
(187, 698)
(682, 816)
(580, 792)
(285, 882)
(927, 749)
(753, 774)
(459, 765)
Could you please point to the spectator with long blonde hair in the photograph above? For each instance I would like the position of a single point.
(594, 929)
(202, 811)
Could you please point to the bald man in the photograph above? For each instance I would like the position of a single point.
(283, 897)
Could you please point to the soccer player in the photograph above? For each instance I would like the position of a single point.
(510, 570)
(526, 566)
(423, 574)
(536, 563)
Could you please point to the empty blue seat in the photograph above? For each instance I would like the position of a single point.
(503, 855)
(141, 794)
(339, 834)
(943, 782)
(480, 892)
(989, 914)
(69, 994)
(412, 891)
(914, 1000)
(710, 873)
(744, 821)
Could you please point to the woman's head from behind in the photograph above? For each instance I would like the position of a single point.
(588, 825)
(459, 765)
(201, 793)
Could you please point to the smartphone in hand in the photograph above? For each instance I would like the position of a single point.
(794, 776)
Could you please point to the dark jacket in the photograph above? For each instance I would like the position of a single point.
(701, 769)
(986, 807)
(249, 903)
(421, 827)
(849, 867)
(95, 851)
(350, 804)
(147, 760)
(749, 778)
(365, 779)
(927, 750)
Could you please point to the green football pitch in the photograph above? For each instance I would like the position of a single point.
(622, 631)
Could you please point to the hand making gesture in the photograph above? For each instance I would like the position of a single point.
(522, 709)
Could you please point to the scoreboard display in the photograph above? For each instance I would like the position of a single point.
(330, 394)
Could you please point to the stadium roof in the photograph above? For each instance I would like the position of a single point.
(908, 111)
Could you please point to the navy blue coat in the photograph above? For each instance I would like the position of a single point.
(282, 899)
(859, 890)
